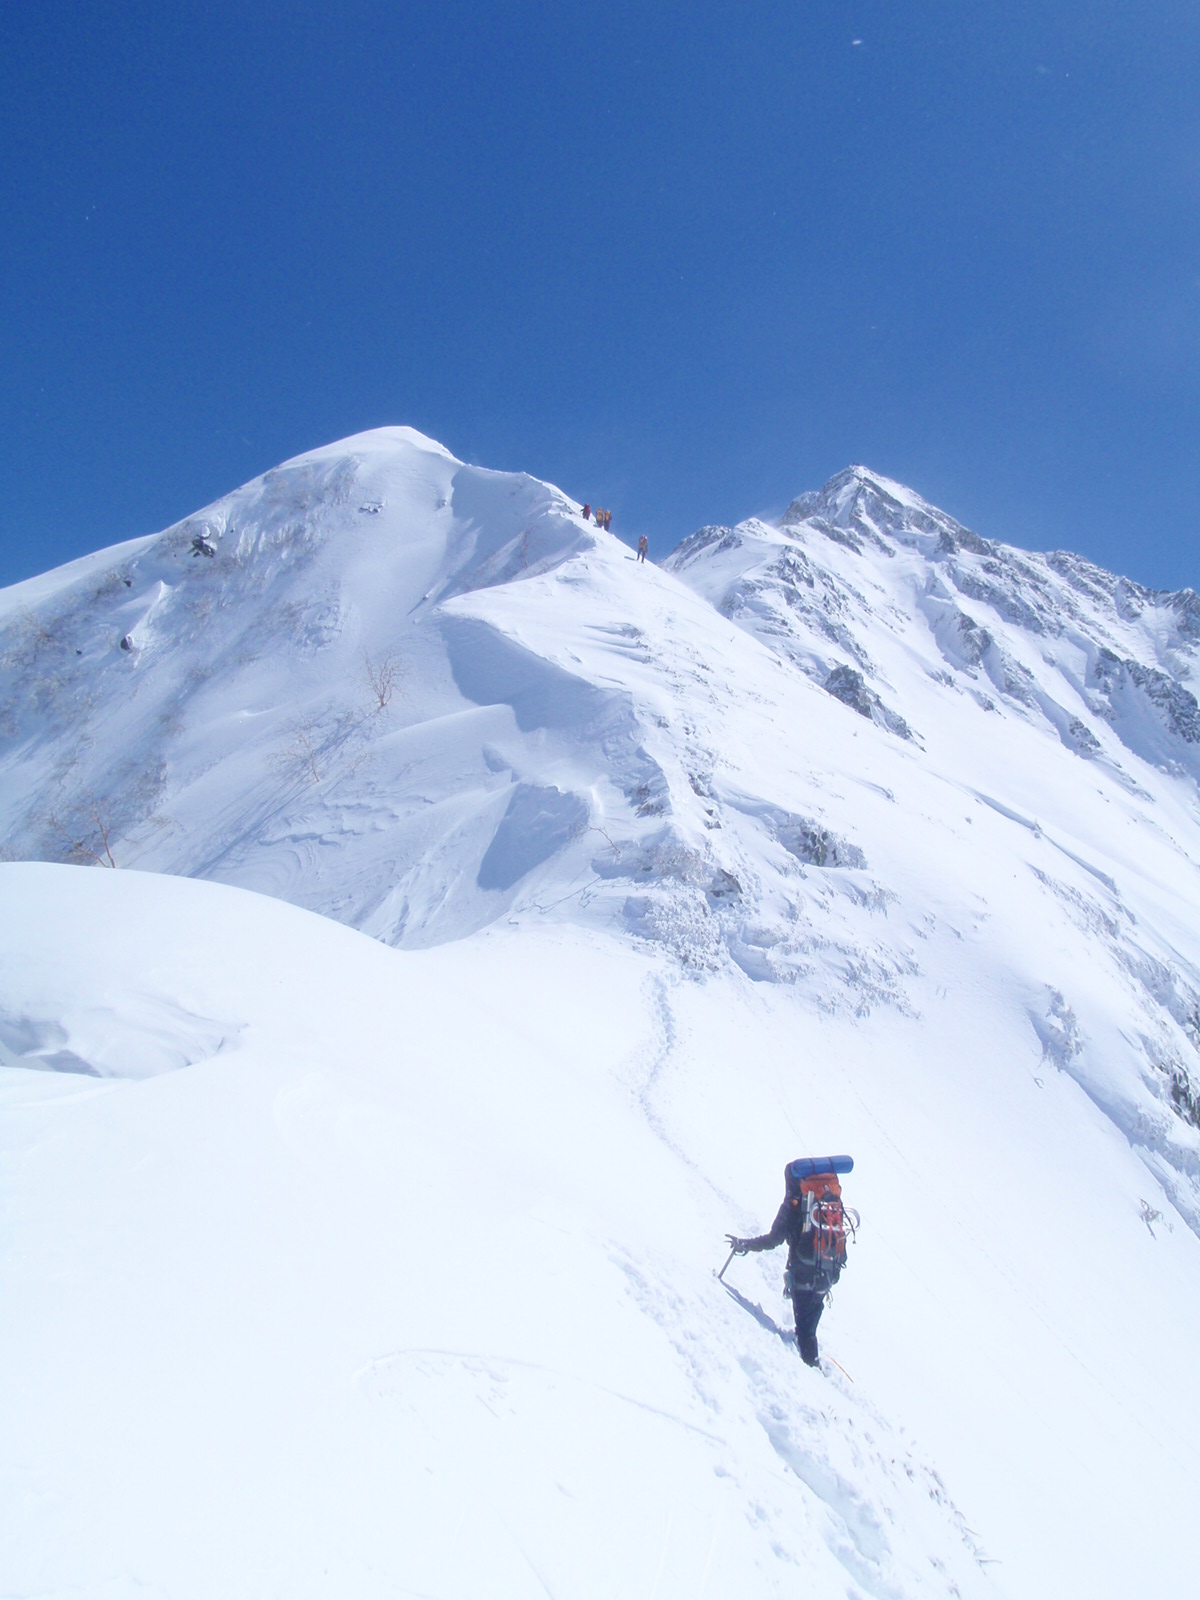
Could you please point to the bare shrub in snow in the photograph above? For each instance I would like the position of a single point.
(317, 747)
(1150, 1215)
(305, 748)
(383, 677)
(84, 833)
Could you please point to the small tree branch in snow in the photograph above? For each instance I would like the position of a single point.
(383, 676)
(321, 749)
(1150, 1216)
(36, 628)
(305, 747)
(86, 834)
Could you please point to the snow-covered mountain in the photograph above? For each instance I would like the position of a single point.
(858, 831)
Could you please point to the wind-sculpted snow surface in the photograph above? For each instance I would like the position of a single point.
(891, 833)
(395, 1294)
(405, 1284)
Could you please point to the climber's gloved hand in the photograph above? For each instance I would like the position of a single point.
(738, 1246)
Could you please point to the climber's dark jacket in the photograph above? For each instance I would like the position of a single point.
(789, 1226)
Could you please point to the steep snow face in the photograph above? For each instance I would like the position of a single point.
(1053, 694)
(864, 584)
(421, 697)
(267, 692)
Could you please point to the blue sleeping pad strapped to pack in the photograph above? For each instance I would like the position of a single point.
(810, 1166)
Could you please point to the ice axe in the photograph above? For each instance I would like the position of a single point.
(728, 1259)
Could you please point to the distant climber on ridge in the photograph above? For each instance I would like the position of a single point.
(814, 1223)
(587, 512)
(643, 546)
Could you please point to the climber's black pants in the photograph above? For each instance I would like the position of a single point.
(808, 1307)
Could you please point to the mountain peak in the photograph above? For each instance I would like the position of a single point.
(867, 505)
(374, 443)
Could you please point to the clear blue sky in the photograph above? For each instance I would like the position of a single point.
(684, 260)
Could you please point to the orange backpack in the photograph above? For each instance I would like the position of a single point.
(827, 1226)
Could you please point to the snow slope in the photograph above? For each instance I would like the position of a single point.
(397, 1279)
(398, 1286)
(856, 832)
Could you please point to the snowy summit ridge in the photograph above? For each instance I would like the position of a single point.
(422, 697)
(854, 830)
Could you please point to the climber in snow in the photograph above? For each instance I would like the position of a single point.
(587, 512)
(815, 1226)
(643, 546)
